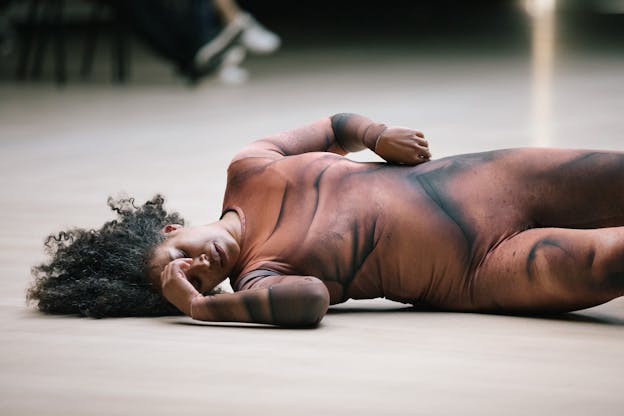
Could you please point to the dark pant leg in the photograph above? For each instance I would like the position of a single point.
(174, 29)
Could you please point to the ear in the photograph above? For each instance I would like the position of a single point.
(170, 227)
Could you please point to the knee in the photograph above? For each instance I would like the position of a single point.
(609, 270)
(587, 268)
(563, 266)
(552, 257)
(614, 281)
(598, 267)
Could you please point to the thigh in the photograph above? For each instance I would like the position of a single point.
(550, 270)
(494, 195)
(568, 188)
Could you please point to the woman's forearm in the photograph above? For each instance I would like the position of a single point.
(340, 134)
(301, 304)
(354, 132)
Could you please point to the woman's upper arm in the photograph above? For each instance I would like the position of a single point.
(341, 133)
(314, 137)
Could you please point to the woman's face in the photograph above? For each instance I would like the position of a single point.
(211, 247)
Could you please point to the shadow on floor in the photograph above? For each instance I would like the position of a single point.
(582, 317)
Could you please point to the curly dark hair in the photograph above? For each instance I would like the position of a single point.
(103, 273)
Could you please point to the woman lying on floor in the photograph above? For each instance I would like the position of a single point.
(512, 231)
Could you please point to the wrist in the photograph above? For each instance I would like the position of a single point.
(372, 134)
(180, 294)
(195, 300)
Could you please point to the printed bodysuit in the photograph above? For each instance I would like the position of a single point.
(467, 232)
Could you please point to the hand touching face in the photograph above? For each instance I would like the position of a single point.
(202, 255)
(174, 283)
(403, 146)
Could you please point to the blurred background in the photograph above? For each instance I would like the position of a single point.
(99, 98)
(37, 37)
(210, 76)
(145, 96)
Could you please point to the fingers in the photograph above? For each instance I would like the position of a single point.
(177, 268)
(415, 154)
(182, 261)
(174, 274)
(426, 154)
(418, 135)
(423, 153)
(419, 138)
(421, 150)
(175, 285)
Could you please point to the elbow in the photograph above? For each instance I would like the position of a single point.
(339, 126)
(315, 303)
(304, 306)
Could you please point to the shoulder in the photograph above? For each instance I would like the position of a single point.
(244, 165)
(260, 149)
(254, 156)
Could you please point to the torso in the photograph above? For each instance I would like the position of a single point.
(411, 234)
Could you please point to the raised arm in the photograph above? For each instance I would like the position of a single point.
(343, 133)
(293, 301)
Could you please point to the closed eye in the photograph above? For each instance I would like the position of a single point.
(177, 254)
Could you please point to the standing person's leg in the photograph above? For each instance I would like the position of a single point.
(550, 270)
(219, 39)
(255, 37)
(185, 32)
(228, 9)
(158, 25)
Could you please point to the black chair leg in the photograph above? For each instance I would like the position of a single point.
(27, 39)
(120, 49)
(44, 23)
(61, 75)
(41, 32)
(91, 41)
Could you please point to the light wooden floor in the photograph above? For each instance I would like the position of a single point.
(63, 151)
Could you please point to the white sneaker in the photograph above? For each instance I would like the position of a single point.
(230, 71)
(209, 55)
(257, 38)
(233, 75)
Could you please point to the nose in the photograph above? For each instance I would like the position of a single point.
(201, 260)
